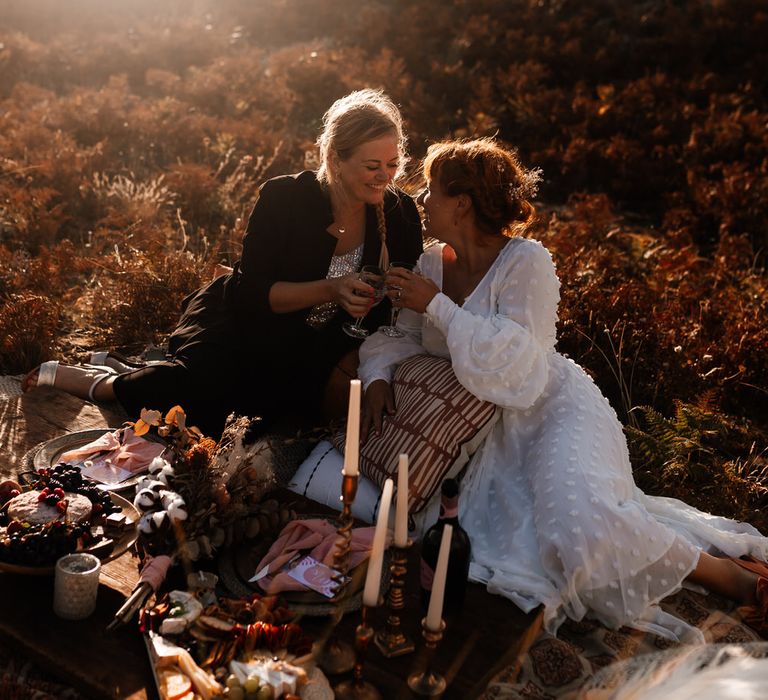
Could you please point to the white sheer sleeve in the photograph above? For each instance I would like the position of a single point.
(380, 355)
(503, 358)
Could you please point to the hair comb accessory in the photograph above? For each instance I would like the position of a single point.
(528, 185)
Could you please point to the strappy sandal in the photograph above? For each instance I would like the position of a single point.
(46, 376)
(755, 616)
(120, 363)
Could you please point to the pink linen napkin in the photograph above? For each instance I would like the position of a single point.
(316, 538)
(154, 570)
(121, 448)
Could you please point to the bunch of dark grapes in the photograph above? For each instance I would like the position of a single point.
(65, 476)
(38, 545)
(69, 478)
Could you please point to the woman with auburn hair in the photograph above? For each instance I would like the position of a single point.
(266, 338)
(548, 500)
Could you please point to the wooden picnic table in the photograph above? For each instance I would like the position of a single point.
(115, 664)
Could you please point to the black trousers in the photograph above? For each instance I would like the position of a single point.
(209, 382)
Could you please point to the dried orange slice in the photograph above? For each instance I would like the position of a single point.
(174, 684)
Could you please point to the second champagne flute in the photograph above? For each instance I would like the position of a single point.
(392, 330)
(373, 276)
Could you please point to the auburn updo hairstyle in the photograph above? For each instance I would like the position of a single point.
(491, 175)
(355, 119)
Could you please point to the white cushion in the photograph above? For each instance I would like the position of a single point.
(319, 478)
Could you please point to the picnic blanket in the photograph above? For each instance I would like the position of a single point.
(559, 667)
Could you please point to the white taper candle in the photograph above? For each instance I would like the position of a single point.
(435, 609)
(352, 443)
(373, 577)
(401, 511)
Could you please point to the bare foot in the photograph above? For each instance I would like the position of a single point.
(30, 379)
(722, 575)
(76, 381)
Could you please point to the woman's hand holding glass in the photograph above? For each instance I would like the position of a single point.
(369, 290)
(351, 294)
(392, 330)
(409, 290)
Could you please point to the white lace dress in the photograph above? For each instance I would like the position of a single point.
(549, 500)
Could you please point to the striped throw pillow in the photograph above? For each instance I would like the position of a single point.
(438, 424)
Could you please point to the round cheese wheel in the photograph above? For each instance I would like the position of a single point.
(26, 508)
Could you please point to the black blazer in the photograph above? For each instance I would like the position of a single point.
(230, 319)
(287, 240)
(277, 365)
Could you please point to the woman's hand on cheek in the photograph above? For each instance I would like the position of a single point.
(377, 401)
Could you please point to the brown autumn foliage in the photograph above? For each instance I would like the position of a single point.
(133, 140)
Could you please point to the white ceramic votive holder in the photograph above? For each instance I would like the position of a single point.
(76, 585)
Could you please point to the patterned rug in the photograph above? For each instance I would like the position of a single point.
(10, 386)
(559, 667)
(21, 680)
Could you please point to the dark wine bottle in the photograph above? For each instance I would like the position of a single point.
(458, 563)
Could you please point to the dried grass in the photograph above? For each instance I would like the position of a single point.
(130, 161)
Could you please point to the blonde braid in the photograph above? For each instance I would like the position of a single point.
(382, 228)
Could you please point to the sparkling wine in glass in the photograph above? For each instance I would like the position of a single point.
(374, 277)
(392, 330)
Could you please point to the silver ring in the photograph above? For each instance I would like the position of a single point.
(399, 295)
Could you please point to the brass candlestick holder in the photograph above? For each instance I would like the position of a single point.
(428, 681)
(337, 656)
(344, 531)
(357, 688)
(392, 641)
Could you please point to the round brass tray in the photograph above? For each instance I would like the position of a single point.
(49, 454)
(122, 543)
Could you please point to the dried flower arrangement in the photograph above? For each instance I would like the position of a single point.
(207, 495)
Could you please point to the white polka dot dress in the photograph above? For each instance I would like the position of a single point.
(549, 500)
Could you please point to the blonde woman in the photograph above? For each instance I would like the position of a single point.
(265, 339)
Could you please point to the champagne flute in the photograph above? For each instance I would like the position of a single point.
(392, 330)
(374, 277)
